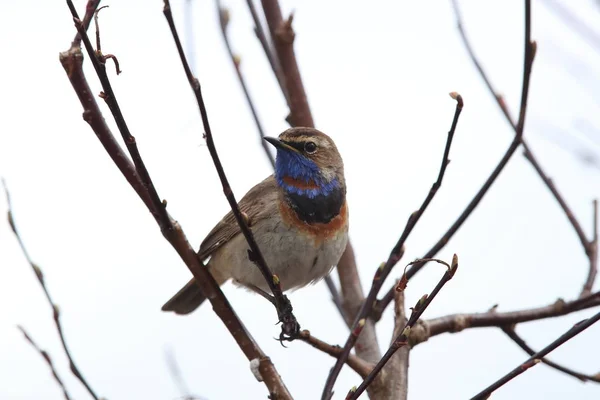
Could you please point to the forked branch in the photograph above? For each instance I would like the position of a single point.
(530, 49)
(384, 270)
(535, 358)
(402, 339)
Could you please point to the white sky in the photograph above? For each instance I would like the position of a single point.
(378, 78)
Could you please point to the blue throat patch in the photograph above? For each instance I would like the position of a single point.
(296, 166)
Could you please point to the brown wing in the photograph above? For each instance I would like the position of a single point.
(254, 204)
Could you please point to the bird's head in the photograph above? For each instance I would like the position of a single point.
(308, 162)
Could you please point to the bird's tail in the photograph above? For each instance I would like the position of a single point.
(189, 297)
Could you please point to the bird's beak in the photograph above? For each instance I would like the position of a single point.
(279, 144)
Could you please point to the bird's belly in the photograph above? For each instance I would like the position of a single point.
(296, 257)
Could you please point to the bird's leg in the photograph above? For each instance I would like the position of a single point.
(290, 328)
(264, 294)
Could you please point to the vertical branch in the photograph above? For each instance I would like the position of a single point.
(283, 38)
(592, 253)
(397, 367)
(55, 310)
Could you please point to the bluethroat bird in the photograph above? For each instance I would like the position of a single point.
(298, 215)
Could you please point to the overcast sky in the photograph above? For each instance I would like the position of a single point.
(377, 76)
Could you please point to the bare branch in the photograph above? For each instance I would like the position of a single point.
(236, 60)
(55, 310)
(157, 208)
(535, 358)
(290, 326)
(458, 322)
(360, 366)
(510, 332)
(283, 38)
(385, 268)
(48, 360)
(592, 253)
(72, 62)
(267, 48)
(588, 246)
(402, 339)
(530, 49)
(90, 9)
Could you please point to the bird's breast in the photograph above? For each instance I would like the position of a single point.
(319, 231)
(312, 203)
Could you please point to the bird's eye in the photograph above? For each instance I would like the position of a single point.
(310, 147)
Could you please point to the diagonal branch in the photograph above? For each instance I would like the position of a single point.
(235, 60)
(290, 326)
(55, 310)
(72, 63)
(590, 247)
(48, 360)
(535, 358)
(158, 209)
(510, 332)
(530, 49)
(384, 270)
(402, 339)
(267, 48)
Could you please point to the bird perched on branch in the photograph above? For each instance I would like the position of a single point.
(298, 215)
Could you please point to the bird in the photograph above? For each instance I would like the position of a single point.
(298, 215)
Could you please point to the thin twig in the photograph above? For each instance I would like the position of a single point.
(290, 326)
(402, 339)
(55, 310)
(360, 366)
(90, 9)
(236, 60)
(510, 332)
(267, 48)
(158, 208)
(588, 246)
(72, 63)
(384, 270)
(592, 253)
(48, 360)
(535, 358)
(530, 49)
